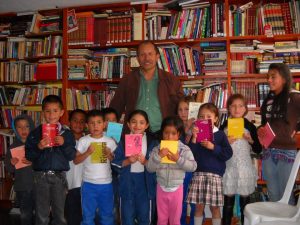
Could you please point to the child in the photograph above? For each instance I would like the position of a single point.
(170, 176)
(23, 183)
(110, 115)
(77, 119)
(187, 216)
(136, 184)
(50, 163)
(206, 185)
(96, 190)
(240, 175)
(281, 109)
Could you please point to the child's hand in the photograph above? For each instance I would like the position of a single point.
(142, 159)
(172, 156)
(231, 139)
(14, 161)
(25, 161)
(59, 140)
(189, 124)
(109, 155)
(133, 158)
(44, 143)
(195, 131)
(90, 149)
(248, 137)
(163, 152)
(208, 145)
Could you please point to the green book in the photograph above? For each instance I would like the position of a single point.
(98, 156)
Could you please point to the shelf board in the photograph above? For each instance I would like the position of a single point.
(44, 34)
(32, 82)
(201, 77)
(105, 45)
(253, 75)
(86, 81)
(32, 58)
(286, 37)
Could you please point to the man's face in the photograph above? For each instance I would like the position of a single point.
(147, 57)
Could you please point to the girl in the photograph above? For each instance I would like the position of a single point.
(170, 176)
(136, 184)
(281, 109)
(206, 185)
(77, 119)
(240, 175)
(187, 216)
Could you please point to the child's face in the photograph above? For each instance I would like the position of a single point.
(77, 123)
(111, 117)
(138, 124)
(52, 113)
(183, 110)
(23, 129)
(171, 133)
(96, 126)
(206, 114)
(276, 82)
(237, 109)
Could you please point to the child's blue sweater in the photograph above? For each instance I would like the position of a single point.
(212, 161)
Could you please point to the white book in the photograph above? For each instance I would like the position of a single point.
(194, 109)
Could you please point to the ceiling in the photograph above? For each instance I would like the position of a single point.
(34, 5)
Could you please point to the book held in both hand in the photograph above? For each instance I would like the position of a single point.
(51, 131)
(266, 135)
(98, 156)
(205, 130)
(172, 146)
(19, 153)
(133, 144)
(236, 127)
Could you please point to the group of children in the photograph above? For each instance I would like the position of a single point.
(148, 190)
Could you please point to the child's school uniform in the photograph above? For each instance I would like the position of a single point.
(206, 185)
(136, 185)
(96, 190)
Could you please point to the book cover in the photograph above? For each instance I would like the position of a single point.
(235, 127)
(19, 153)
(194, 109)
(133, 144)
(205, 130)
(51, 131)
(114, 130)
(72, 21)
(266, 135)
(172, 146)
(98, 156)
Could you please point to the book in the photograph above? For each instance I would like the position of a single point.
(51, 131)
(114, 130)
(235, 127)
(72, 21)
(133, 144)
(266, 135)
(194, 109)
(172, 146)
(205, 130)
(19, 153)
(98, 156)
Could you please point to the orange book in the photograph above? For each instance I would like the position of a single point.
(19, 153)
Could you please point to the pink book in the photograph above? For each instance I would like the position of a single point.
(19, 153)
(51, 131)
(205, 130)
(133, 144)
(266, 135)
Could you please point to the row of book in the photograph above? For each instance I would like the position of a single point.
(20, 71)
(18, 95)
(89, 99)
(281, 18)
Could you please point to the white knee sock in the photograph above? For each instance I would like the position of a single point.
(198, 220)
(216, 221)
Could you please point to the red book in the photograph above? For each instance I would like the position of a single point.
(205, 130)
(46, 71)
(266, 135)
(51, 131)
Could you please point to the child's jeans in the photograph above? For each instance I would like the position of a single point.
(73, 207)
(50, 189)
(26, 201)
(97, 196)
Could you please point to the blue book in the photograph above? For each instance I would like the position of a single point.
(114, 130)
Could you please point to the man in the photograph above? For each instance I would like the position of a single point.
(148, 88)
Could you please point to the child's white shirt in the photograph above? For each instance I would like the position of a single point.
(96, 173)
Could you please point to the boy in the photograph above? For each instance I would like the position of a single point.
(110, 115)
(77, 119)
(23, 183)
(96, 190)
(50, 163)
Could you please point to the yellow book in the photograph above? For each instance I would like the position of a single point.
(236, 127)
(172, 146)
(98, 156)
